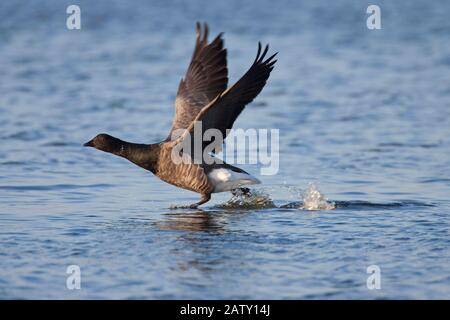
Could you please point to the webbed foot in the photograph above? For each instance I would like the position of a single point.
(205, 198)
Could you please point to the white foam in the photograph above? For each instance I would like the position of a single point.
(313, 199)
(256, 199)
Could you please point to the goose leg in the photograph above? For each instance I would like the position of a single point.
(205, 198)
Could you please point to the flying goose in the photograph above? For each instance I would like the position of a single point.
(203, 97)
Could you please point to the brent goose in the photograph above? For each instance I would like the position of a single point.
(203, 98)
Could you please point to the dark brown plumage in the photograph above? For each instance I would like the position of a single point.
(221, 112)
(202, 97)
(206, 77)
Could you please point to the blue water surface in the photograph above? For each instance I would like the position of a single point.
(364, 114)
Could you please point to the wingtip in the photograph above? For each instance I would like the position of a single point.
(206, 31)
(218, 38)
(263, 54)
(269, 60)
(260, 56)
(202, 30)
(259, 51)
(198, 31)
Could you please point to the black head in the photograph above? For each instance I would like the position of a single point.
(106, 143)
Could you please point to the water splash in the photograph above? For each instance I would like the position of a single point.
(313, 199)
(256, 199)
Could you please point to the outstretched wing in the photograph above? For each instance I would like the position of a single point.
(221, 113)
(206, 78)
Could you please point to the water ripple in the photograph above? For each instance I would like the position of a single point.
(55, 187)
